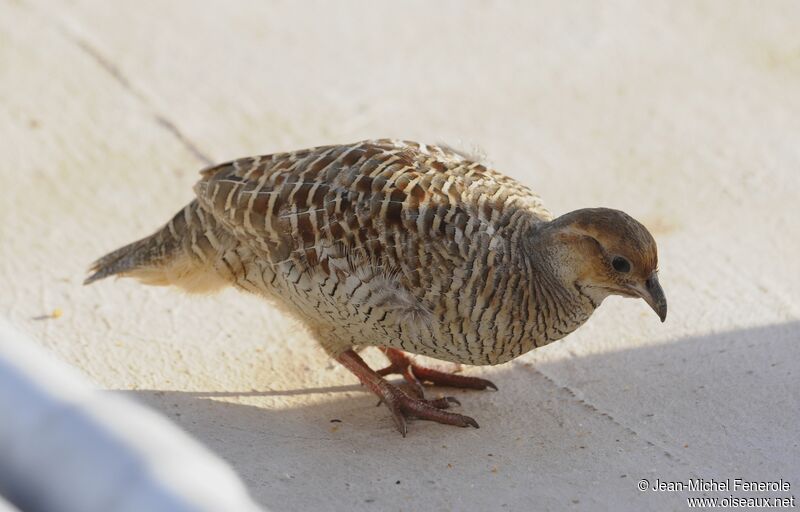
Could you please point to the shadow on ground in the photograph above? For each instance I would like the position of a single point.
(715, 406)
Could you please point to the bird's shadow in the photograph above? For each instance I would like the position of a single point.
(710, 406)
(267, 393)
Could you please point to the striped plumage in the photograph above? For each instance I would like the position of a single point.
(390, 243)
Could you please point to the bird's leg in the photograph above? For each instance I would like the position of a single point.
(415, 374)
(401, 404)
(401, 364)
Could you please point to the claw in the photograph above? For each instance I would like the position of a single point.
(444, 402)
(472, 422)
(399, 421)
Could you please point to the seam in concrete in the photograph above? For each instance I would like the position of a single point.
(595, 410)
(126, 84)
(114, 71)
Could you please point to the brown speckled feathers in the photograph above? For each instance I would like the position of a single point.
(390, 201)
(435, 228)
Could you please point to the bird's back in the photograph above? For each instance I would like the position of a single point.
(394, 203)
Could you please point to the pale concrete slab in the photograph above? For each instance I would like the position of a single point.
(685, 115)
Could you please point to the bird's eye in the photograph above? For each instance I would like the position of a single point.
(620, 264)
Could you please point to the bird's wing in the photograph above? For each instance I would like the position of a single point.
(399, 206)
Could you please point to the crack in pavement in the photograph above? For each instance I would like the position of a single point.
(115, 73)
(594, 409)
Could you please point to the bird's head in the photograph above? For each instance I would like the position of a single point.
(605, 252)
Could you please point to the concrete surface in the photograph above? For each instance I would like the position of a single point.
(684, 114)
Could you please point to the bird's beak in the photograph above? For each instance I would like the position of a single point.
(652, 293)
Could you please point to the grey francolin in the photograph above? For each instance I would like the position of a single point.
(405, 246)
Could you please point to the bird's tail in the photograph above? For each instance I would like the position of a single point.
(178, 254)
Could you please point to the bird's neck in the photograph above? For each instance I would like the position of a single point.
(555, 306)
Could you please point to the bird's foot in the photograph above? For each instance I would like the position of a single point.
(415, 375)
(401, 404)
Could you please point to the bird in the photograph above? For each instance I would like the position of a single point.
(417, 249)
